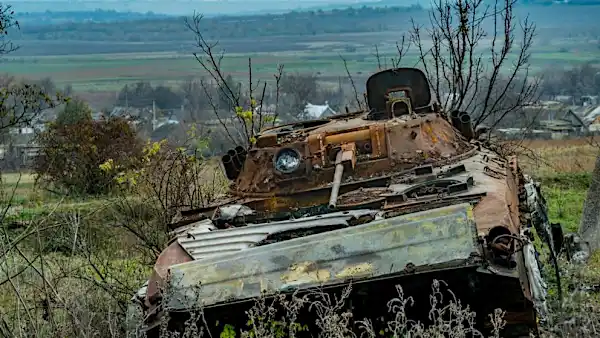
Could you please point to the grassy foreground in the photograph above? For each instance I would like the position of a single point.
(563, 167)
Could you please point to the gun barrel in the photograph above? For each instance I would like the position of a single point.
(337, 180)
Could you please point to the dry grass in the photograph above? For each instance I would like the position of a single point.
(575, 142)
(276, 316)
(551, 157)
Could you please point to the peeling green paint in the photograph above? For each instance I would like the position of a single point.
(427, 238)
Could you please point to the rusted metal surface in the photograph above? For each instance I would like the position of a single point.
(441, 236)
(414, 79)
(492, 208)
(381, 145)
(172, 255)
(496, 193)
(403, 142)
(337, 179)
(378, 141)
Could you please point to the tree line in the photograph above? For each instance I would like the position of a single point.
(574, 81)
(154, 28)
(98, 15)
(350, 20)
(193, 96)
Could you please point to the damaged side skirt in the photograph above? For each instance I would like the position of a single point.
(376, 249)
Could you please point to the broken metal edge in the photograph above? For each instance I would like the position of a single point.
(384, 248)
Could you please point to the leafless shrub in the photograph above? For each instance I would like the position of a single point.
(264, 322)
(457, 61)
(7, 22)
(49, 295)
(402, 48)
(276, 315)
(333, 319)
(449, 318)
(244, 115)
(578, 314)
(169, 180)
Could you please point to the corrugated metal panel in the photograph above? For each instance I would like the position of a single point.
(439, 237)
(202, 241)
(204, 225)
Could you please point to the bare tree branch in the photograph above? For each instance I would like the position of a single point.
(247, 119)
(7, 22)
(20, 103)
(277, 76)
(356, 96)
(456, 63)
(380, 66)
(402, 48)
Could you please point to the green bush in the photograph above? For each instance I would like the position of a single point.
(71, 153)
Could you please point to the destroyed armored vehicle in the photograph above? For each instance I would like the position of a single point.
(401, 193)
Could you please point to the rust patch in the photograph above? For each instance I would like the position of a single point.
(305, 272)
(378, 141)
(349, 154)
(358, 270)
(173, 254)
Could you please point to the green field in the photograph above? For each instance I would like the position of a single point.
(109, 72)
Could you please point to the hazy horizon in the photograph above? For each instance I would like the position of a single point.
(177, 7)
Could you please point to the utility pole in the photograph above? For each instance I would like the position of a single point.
(153, 115)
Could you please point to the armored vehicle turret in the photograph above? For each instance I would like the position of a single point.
(400, 193)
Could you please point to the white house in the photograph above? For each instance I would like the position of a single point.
(313, 111)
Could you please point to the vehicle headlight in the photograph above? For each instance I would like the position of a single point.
(287, 160)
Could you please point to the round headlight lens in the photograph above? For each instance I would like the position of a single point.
(287, 161)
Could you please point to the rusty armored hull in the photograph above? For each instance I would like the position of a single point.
(403, 193)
